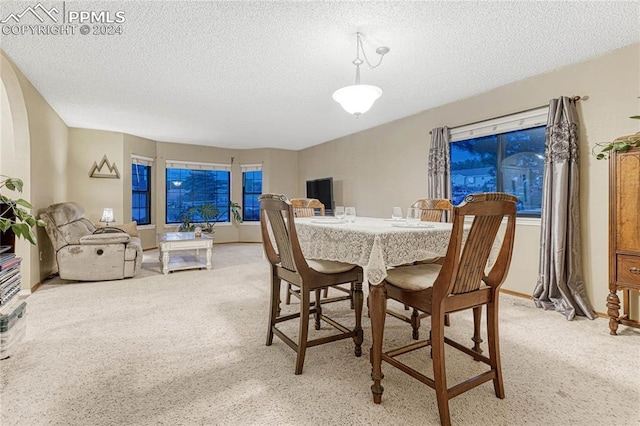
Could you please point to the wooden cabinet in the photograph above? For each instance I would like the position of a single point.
(624, 235)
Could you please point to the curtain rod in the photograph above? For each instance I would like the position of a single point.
(575, 99)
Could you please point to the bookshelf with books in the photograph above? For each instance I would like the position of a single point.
(12, 309)
(9, 274)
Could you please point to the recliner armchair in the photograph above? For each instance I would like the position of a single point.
(85, 256)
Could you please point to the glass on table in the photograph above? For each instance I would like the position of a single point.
(350, 214)
(339, 212)
(396, 214)
(413, 216)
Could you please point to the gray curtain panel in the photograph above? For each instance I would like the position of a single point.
(560, 285)
(439, 172)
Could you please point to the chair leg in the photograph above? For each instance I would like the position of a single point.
(326, 292)
(377, 312)
(357, 299)
(447, 320)
(415, 324)
(318, 309)
(274, 306)
(304, 329)
(477, 315)
(439, 368)
(287, 299)
(494, 347)
(351, 295)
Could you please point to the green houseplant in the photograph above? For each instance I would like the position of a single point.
(14, 213)
(620, 145)
(207, 214)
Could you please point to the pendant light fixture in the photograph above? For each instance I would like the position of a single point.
(359, 98)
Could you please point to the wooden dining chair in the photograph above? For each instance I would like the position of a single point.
(460, 283)
(288, 264)
(310, 207)
(307, 207)
(431, 210)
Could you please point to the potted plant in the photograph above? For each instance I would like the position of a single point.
(621, 144)
(14, 214)
(236, 216)
(205, 217)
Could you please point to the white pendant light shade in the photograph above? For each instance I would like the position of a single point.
(357, 99)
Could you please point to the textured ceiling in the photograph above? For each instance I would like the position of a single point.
(261, 74)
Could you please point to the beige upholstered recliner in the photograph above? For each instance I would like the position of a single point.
(85, 256)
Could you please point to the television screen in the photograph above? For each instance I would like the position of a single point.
(322, 189)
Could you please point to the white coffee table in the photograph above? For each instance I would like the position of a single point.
(173, 246)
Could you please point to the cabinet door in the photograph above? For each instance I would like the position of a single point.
(628, 201)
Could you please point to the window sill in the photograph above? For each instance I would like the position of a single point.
(177, 225)
(251, 223)
(143, 227)
(528, 221)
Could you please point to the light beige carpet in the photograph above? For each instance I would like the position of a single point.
(188, 349)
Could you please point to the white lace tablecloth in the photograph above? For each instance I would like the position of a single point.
(375, 244)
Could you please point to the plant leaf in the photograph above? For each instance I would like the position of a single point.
(24, 203)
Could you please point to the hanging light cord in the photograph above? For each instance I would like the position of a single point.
(359, 47)
(382, 50)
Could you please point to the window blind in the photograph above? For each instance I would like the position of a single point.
(251, 167)
(522, 120)
(192, 165)
(139, 159)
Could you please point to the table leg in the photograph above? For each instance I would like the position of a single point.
(165, 262)
(377, 312)
(208, 257)
(356, 299)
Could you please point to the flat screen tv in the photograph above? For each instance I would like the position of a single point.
(322, 189)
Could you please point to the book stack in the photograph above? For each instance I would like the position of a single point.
(12, 310)
(9, 276)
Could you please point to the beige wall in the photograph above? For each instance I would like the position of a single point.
(390, 162)
(38, 156)
(94, 194)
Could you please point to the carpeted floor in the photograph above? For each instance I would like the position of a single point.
(188, 349)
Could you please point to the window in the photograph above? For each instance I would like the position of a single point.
(251, 190)
(195, 184)
(141, 189)
(505, 155)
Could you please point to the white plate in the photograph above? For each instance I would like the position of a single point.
(328, 222)
(396, 220)
(408, 226)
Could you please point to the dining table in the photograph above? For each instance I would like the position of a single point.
(376, 244)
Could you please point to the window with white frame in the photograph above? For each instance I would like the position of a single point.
(192, 184)
(505, 154)
(251, 191)
(141, 189)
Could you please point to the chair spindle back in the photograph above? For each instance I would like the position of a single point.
(466, 264)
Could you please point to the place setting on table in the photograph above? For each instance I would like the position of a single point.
(413, 219)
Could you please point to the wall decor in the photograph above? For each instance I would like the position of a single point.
(97, 168)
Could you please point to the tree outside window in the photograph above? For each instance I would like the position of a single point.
(187, 188)
(511, 162)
